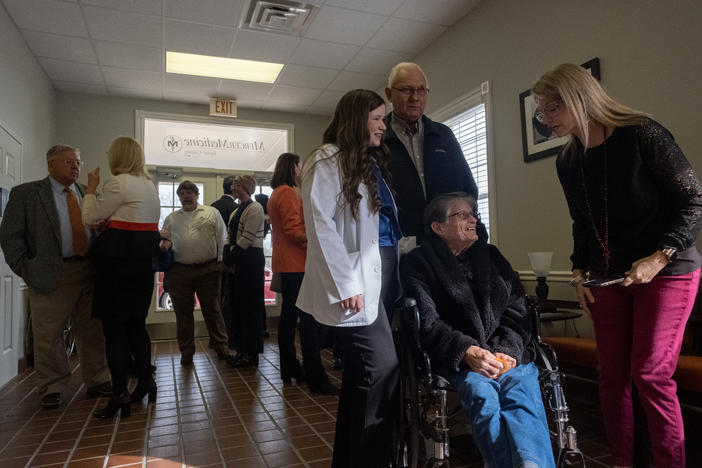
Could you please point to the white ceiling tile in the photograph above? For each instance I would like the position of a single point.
(74, 49)
(319, 110)
(323, 54)
(61, 70)
(136, 93)
(71, 87)
(122, 26)
(347, 81)
(129, 56)
(195, 38)
(405, 36)
(444, 12)
(386, 7)
(268, 47)
(48, 16)
(245, 90)
(345, 26)
(377, 61)
(198, 85)
(328, 99)
(149, 7)
(138, 79)
(307, 77)
(292, 95)
(222, 12)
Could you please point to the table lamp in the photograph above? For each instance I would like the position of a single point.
(541, 265)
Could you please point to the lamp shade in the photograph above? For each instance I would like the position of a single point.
(540, 262)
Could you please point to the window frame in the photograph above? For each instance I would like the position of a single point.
(476, 96)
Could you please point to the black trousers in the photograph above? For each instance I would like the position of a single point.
(123, 290)
(368, 399)
(247, 302)
(310, 334)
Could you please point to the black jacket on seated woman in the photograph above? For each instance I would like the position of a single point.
(474, 325)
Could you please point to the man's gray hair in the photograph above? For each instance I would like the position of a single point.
(402, 65)
(438, 208)
(56, 149)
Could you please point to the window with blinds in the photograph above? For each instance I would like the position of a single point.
(471, 132)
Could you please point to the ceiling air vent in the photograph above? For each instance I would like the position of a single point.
(279, 16)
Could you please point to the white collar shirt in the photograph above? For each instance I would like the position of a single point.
(413, 143)
(198, 236)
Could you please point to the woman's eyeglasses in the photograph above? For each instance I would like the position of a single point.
(464, 215)
(548, 110)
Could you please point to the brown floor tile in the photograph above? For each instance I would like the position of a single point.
(285, 458)
(124, 459)
(96, 462)
(89, 452)
(307, 441)
(239, 452)
(50, 458)
(315, 453)
(274, 446)
(163, 464)
(167, 451)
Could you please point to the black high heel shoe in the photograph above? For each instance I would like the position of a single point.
(140, 391)
(298, 375)
(122, 404)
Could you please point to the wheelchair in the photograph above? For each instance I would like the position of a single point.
(426, 420)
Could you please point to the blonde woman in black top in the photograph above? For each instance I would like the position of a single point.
(636, 206)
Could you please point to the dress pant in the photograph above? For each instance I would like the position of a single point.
(309, 335)
(72, 299)
(368, 397)
(247, 301)
(123, 290)
(639, 331)
(184, 281)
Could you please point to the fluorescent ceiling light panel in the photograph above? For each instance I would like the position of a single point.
(222, 67)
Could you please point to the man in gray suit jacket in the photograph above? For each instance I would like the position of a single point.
(38, 241)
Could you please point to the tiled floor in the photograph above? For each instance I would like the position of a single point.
(207, 414)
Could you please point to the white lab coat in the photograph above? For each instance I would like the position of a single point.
(343, 258)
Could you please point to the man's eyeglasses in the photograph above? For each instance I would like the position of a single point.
(464, 215)
(548, 110)
(407, 91)
(73, 162)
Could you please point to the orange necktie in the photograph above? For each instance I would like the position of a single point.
(80, 239)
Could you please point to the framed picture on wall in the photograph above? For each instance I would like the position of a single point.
(537, 139)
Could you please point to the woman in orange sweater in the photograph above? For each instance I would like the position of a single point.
(289, 251)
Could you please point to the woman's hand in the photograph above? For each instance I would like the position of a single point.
(353, 303)
(483, 362)
(645, 269)
(585, 297)
(511, 363)
(93, 181)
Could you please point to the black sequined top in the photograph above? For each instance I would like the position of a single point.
(654, 199)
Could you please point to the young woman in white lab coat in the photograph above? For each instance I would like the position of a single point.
(351, 274)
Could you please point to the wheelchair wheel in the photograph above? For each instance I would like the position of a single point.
(69, 340)
(407, 455)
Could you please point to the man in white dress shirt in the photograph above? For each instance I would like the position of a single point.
(197, 237)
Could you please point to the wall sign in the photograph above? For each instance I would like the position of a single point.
(240, 147)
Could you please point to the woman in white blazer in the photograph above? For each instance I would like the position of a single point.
(351, 272)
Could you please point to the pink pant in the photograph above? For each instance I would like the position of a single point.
(639, 331)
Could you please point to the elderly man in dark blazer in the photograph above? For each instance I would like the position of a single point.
(426, 159)
(45, 242)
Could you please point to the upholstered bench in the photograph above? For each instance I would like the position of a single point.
(580, 352)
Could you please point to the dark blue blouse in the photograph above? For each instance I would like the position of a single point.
(389, 228)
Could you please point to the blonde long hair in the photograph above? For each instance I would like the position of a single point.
(585, 98)
(126, 157)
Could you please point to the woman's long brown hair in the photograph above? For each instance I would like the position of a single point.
(348, 130)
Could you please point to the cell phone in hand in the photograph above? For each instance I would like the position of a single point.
(602, 282)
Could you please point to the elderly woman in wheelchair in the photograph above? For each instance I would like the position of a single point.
(474, 325)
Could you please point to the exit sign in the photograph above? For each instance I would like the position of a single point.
(225, 108)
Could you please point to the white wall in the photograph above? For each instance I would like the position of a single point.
(26, 99)
(90, 122)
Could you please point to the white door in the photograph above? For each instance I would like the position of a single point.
(10, 295)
